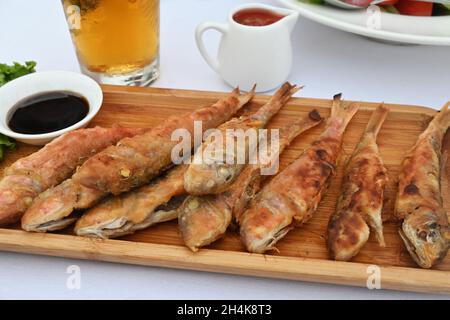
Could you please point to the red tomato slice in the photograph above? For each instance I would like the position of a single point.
(415, 8)
(388, 3)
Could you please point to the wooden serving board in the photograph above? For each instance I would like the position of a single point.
(302, 253)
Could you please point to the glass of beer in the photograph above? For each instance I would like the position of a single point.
(116, 41)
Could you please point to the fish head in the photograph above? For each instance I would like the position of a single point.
(104, 229)
(261, 228)
(425, 233)
(16, 196)
(202, 220)
(209, 178)
(347, 234)
(105, 220)
(51, 211)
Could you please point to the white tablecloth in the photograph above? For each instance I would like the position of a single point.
(326, 61)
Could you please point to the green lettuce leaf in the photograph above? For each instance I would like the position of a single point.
(5, 143)
(8, 73)
(16, 70)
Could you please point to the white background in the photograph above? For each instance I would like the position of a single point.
(326, 61)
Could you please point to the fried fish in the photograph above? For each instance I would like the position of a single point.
(204, 219)
(135, 210)
(133, 162)
(148, 205)
(210, 175)
(291, 197)
(53, 210)
(361, 201)
(425, 229)
(57, 161)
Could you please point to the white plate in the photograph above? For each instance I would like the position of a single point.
(393, 27)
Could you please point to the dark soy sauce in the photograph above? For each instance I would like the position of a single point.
(256, 17)
(48, 112)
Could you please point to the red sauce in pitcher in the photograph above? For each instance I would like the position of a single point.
(256, 17)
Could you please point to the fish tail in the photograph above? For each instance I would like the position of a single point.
(288, 90)
(289, 132)
(276, 102)
(244, 98)
(442, 118)
(341, 112)
(438, 125)
(376, 120)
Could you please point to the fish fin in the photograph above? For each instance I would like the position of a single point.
(376, 120)
(286, 135)
(376, 224)
(343, 111)
(245, 98)
(442, 118)
(274, 249)
(291, 90)
(276, 237)
(284, 92)
(278, 100)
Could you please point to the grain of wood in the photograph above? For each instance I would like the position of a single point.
(303, 254)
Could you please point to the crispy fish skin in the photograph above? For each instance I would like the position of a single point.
(138, 209)
(204, 219)
(52, 210)
(49, 166)
(135, 161)
(425, 229)
(361, 201)
(213, 176)
(292, 196)
(135, 210)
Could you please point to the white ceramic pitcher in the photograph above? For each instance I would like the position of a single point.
(252, 54)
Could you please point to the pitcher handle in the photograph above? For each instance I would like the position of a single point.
(222, 28)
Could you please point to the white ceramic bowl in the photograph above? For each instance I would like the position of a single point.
(393, 27)
(41, 82)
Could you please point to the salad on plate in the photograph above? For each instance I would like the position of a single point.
(404, 7)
